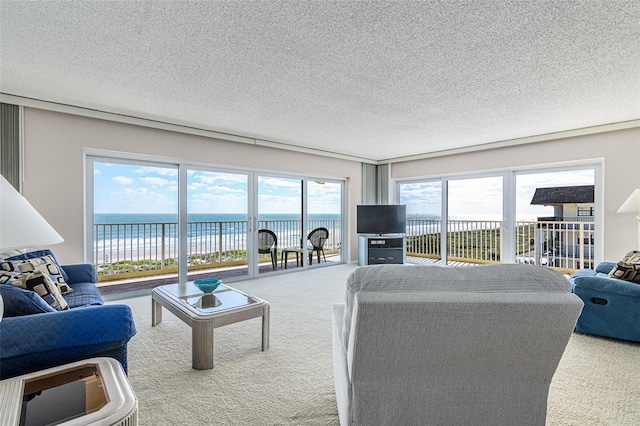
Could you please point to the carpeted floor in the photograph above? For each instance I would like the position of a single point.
(597, 382)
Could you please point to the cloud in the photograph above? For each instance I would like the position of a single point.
(280, 184)
(135, 200)
(278, 204)
(162, 171)
(210, 178)
(217, 203)
(156, 181)
(122, 180)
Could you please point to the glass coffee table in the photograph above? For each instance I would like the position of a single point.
(204, 312)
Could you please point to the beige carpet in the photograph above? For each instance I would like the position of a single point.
(597, 382)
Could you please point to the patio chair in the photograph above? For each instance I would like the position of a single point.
(268, 244)
(317, 238)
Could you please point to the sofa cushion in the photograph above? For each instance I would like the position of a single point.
(46, 264)
(84, 294)
(628, 268)
(39, 253)
(18, 302)
(503, 278)
(38, 282)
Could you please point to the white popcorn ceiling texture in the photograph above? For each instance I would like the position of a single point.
(373, 79)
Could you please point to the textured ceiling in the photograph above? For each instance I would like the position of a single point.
(377, 80)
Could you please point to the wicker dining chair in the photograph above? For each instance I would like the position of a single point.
(268, 243)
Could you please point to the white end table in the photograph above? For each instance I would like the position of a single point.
(94, 391)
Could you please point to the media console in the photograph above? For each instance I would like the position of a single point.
(381, 249)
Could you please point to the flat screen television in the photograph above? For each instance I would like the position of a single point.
(382, 219)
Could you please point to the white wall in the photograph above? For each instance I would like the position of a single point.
(54, 151)
(619, 151)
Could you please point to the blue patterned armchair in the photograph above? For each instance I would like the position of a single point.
(33, 336)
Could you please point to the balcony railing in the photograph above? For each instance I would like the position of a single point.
(564, 245)
(123, 250)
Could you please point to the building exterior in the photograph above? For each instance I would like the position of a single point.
(569, 233)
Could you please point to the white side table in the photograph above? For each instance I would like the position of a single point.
(94, 391)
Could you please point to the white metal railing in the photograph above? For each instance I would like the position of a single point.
(466, 239)
(559, 244)
(138, 248)
(555, 243)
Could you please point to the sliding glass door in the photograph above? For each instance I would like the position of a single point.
(555, 218)
(167, 220)
(474, 222)
(539, 216)
(217, 218)
(280, 230)
(134, 230)
(424, 219)
(324, 224)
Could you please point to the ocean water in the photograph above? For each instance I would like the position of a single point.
(148, 233)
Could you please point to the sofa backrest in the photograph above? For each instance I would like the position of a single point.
(503, 278)
(471, 340)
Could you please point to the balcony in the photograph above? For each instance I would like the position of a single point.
(134, 250)
(563, 245)
(138, 250)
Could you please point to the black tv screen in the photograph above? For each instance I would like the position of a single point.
(382, 219)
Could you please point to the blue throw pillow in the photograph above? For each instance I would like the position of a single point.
(18, 302)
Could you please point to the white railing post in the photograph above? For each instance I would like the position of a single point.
(162, 249)
(581, 236)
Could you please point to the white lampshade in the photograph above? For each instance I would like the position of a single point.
(632, 205)
(21, 226)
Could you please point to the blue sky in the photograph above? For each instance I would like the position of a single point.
(481, 198)
(124, 188)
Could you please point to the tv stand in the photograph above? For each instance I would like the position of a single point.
(381, 249)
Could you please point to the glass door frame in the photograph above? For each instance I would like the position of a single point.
(254, 212)
(507, 254)
(253, 217)
(182, 167)
(89, 199)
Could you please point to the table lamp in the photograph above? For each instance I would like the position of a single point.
(21, 226)
(632, 205)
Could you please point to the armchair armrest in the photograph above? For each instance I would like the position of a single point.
(81, 273)
(605, 267)
(605, 284)
(95, 326)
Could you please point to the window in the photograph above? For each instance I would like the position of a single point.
(585, 211)
(500, 217)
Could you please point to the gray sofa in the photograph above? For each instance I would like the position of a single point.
(419, 345)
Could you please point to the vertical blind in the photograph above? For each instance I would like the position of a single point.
(375, 183)
(10, 143)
